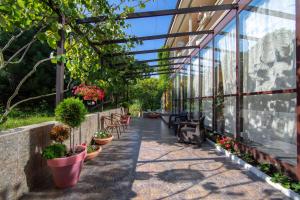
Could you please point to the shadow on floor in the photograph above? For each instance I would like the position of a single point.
(109, 176)
(112, 175)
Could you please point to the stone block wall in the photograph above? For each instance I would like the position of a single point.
(21, 166)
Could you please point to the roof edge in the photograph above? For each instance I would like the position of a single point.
(172, 21)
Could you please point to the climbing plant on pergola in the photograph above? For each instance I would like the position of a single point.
(86, 44)
(54, 22)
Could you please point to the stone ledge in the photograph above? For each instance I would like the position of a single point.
(22, 169)
(25, 128)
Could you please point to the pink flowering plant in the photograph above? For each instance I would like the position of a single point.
(88, 92)
(226, 143)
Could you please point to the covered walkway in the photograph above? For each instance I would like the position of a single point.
(147, 163)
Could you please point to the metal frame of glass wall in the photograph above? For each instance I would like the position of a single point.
(243, 95)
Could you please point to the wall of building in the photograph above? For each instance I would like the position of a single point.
(22, 168)
(247, 74)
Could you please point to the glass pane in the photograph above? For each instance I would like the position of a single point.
(187, 105)
(267, 32)
(206, 65)
(178, 92)
(177, 86)
(173, 89)
(195, 109)
(195, 77)
(187, 74)
(225, 65)
(206, 108)
(183, 87)
(226, 117)
(225, 59)
(268, 60)
(270, 124)
(230, 115)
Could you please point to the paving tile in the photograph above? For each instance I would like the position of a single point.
(147, 163)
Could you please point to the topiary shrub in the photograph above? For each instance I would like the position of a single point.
(54, 151)
(71, 112)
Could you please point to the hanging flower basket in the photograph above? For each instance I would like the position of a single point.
(89, 94)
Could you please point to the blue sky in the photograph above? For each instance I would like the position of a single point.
(150, 26)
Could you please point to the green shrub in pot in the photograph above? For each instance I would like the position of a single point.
(72, 113)
(66, 165)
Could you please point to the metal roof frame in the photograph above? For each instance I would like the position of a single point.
(161, 13)
(153, 37)
(152, 60)
(156, 66)
(151, 51)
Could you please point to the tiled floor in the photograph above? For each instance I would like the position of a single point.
(147, 163)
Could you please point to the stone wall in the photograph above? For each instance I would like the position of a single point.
(21, 166)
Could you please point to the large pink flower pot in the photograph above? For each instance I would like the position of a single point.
(66, 171)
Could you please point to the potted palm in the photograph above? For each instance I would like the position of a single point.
(102, 137)
(64, 163)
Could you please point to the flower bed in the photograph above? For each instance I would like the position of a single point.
(267, 171)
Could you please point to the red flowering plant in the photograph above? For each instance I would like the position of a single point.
(226, 143)
(88, 92)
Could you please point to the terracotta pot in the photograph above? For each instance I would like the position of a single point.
(66, 171)
(94, 154)
(103, 141)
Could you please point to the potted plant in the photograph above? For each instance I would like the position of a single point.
(64, 163)
(92, 151)
(91, 94)
(102, 137)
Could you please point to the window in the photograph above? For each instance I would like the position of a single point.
(267, 51)
(195, 77)
(195, 87)
(225, 67)
(186, 75)
(206, 74)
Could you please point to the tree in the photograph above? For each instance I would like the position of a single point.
(82, 58)
(43, 80)
(165, 78)
(148, 92)
(165, 81)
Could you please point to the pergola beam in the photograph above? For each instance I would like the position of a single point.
(158, 13)
(151, 60)
(158, 70)
(162, 59)
(154, 37)
(156, 66)
(151, 51)
(172, 70)
(153, 74)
